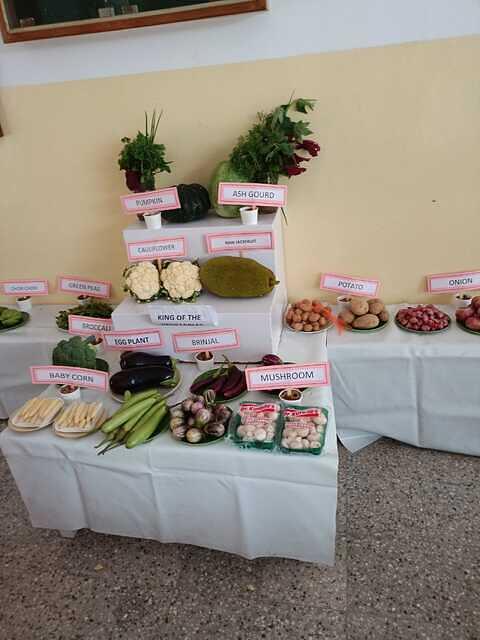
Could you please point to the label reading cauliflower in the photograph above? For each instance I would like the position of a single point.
(181, 280)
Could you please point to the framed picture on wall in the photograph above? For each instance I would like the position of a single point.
(22, 20)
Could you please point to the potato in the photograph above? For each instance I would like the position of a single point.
(305, 315)
(359, 307)
(307, 327)
(313, 317)
(384, 316)
(316, 326)
(322, 321)
(298, 326)
(289, 315)
(367, 321)
(297, 317)
(375, 306)
(473, 323)
(306, 305)
(347, 316)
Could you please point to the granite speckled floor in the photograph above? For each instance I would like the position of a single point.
(408, 567)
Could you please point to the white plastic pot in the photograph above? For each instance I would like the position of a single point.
(83, 299)
(24, 305)
(286, 401)
(204, 365)
(343, 302)
(249, 215)
(460, 303)
(153, 220)
(72, 396)
(99, 348)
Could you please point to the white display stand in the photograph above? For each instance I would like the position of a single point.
(258, 321)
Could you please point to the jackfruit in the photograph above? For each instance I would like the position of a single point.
(231, 277)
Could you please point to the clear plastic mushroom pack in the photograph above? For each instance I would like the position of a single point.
(303, 430)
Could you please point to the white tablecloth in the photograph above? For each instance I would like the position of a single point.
(23, 347)
(420, 389)
(250, 503)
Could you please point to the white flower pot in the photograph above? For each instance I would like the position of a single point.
(99, 348)
(204, 365)
(72, 396)
(286, 401)
(460, 303)
(343, 302)
(24, 305)
(249, 215)
(83, 299)
(153, 220)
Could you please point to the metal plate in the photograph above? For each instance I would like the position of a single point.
(381, 326)
(25, 319)
(466, 329)
(424, 333)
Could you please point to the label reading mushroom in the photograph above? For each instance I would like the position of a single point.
(288, 376)
(347, 284)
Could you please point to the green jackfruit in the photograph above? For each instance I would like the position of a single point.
(230, 277)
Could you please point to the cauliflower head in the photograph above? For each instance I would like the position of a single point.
(181, 280)
(142, 280)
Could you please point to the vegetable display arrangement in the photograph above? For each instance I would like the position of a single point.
(177, 281)
(143, 371)
(93, 309)
(141, 418)
(469, 317)
(228, 382)
(198, 420)
(77, 352)
(275, 146)
(10, 318)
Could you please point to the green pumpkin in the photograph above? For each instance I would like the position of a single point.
(194, 201)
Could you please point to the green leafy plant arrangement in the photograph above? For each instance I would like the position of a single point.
(269, 149)
(93, 309)
(142, 158)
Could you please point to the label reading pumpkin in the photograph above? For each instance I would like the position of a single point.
(160, 200)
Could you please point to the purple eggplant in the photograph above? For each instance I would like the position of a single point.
(130, 359)
(139, 379)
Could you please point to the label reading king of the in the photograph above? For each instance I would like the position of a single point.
(88, 378)
(347, 284)
(212, 340)
(457, 281)
(159, 200)
(85, 326)
(92, 288)
(133, 340)
(153, 249)
(252, 193)
(241, 241)
(184, 315)
(24, 287)
(283, 376)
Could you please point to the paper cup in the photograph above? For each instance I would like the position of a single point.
(25, 304)
(249, 215)
(285, 400)
(343, 302)
(153, 220)
(72, 396)
(460, 303)
(83, 299)
(204, 365)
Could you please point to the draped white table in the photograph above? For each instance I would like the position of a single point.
(250, 503)
(419, 389)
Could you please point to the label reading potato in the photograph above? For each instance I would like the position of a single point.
(349, 285)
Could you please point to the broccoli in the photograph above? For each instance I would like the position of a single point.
(77, 353)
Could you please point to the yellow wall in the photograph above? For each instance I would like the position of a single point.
(395, 193)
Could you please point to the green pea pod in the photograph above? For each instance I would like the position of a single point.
(122, 416)
(144, 430)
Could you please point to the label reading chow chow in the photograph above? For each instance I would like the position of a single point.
(244, 193)
(349, 285)
(206, 340)
(88, 378)
(24, 287)
(288, 376)
(450, 282)
(159, 200)
(185, 315)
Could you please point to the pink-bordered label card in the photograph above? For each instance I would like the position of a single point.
(239, 241)
(349, 285)
(159, 200)
(157, 249)
(53, 374)
(136, 340)
(288, 376)
(92, 288)
(252, 193)
(21, 288)
(451, 282)
(211, 340)
(86, 326)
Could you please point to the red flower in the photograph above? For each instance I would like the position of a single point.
(132, 178)
(293, 170)
(310, 146)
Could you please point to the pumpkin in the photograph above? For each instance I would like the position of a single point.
(194, 201)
